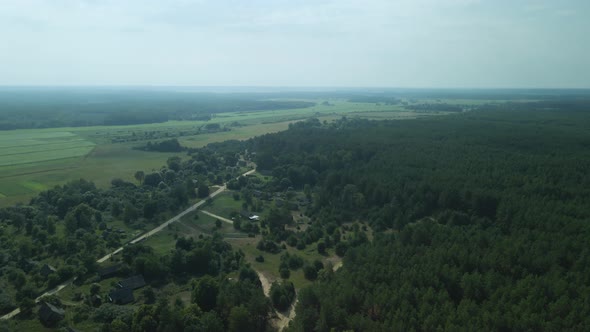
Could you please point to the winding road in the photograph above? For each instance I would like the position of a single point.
(136, 240)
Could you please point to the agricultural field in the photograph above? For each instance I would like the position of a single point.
(33, 160)
(28, 147)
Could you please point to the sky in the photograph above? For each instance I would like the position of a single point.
(297, 43)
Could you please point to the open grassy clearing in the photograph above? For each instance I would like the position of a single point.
(189, 226)
(105, 163)
(224, 204)
(340, 107)
(270, 266)
(237, 133)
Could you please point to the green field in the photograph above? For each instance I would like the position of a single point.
(33, 160)
(189, 226)
(224, 205)
(30, 146)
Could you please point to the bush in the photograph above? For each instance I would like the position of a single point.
(321, 248)
(318, 265)
(282, 295)
(341, 249)
(292, 241)
(300, 245)
(285, 273)
(310, 272)
(294, 262)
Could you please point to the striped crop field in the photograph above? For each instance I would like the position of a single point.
(30, 147)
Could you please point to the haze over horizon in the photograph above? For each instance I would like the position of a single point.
(347, 43)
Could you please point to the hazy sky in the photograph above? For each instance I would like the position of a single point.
(387, 43)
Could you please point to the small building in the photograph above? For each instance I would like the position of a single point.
(71, 329)
(46, 270)
(109, 272)
(121, 296)
(249, 216)
(28, 265)
(96, 300)
(134, 282)
(50, 314)
(303, 201)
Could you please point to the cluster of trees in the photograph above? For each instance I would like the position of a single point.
(375, 98)
(217, 303)
(70, 226)
(170, 145)
(490, 208)
(437, 107)
(282, 294)
(50, 108)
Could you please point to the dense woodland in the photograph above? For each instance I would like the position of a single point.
(473, 221)
(489, 213)
(51, 108)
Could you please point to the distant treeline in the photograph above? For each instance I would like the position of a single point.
(45, 108)
(435, 108)
(171, 145)
(383, 99)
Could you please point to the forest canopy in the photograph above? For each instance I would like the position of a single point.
(489, 209)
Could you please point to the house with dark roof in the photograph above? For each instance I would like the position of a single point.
(50, 314)
(134, 282)
(121, 296)
(96, 300)
(71, 329)
(109, 272)
(28, 265)
(46, 270)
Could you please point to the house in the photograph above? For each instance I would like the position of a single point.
(96, 300)
(121, 296)
(50, 314)
(71, 329)
(109, 272)
(134, 282)
(28, 265)
(261, 195)
(249, 216)
(46, 270)
(303, 201)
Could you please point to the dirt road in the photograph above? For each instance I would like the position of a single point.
(283, 318)
(231, 222)
(136, 240)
